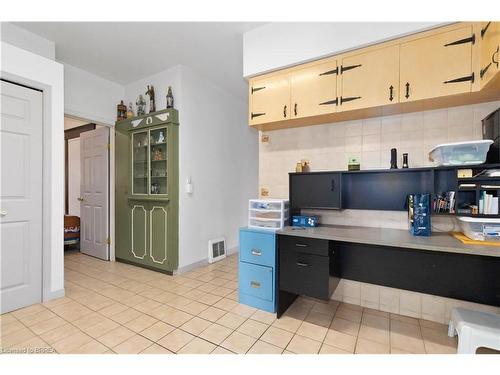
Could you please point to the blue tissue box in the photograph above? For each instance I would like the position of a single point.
(304, 221)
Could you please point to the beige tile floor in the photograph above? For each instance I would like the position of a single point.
(118, 308)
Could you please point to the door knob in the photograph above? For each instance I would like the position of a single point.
(3, 213)
(80, 199)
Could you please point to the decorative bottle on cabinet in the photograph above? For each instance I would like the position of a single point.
(147, 190)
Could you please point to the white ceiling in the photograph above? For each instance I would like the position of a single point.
(124, 52)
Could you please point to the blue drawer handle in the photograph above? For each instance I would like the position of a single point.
(256, 252)
(254, 284)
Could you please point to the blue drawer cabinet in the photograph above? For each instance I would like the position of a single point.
(257, 269)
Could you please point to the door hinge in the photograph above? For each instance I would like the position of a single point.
(108, 146)
(108, 241)
(462, 79)
(471, 39)
(483, 71)
(254, 89)
(334, 71)
(349, 67)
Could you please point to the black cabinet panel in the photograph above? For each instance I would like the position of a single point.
(304, 245)
(316, 190)
(466, 277)
(384, 190)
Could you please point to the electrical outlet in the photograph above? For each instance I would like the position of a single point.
(264, 138)
(264, 192)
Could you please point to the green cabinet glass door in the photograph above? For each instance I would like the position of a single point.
(158, 157)
(140, 162)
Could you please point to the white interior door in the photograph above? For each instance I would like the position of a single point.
(94, 190)
(20, 197)
(74, 176)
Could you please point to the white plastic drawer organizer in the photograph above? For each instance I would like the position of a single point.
(267, 213)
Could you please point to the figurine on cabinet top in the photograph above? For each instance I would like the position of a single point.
(130, 112)
(151, 93)
(121, 111)
(170, 98)
(141, 105)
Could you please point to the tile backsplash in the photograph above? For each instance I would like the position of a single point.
(329, 146)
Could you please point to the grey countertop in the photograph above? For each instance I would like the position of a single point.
(439, 241)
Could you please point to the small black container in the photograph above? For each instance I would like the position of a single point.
(394, 158)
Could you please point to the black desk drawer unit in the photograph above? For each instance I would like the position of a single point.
(305, 266)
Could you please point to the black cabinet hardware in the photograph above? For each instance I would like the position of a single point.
(334, 71)
(391, 96)
(295, 109)
(284, 111)
(483, 71)
(349, 67)
(349, 99)
(257, 88)
(335, 101)
(471, 39)
(483, 30)
(300, 245)
(407, 95)
(333, 185)
(461, 79)
(252, 115)
(493, 57)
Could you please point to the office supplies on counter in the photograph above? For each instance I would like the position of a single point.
(460, 153)
(268, 213)
(491, 130)
(488, 204)
(444, 202)
(305, 221)
(464, 173)
(419, 214)
(480, 229)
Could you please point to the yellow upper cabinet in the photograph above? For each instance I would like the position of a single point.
(369, 79)
(314, 90)
(437, 65)
(269, 99)
(490, 40)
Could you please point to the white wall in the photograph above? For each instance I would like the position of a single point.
(17, 36)
(90, 97)
(21, 66)
(281, 44)
(217, 150)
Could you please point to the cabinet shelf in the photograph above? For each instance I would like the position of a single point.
(152, 161)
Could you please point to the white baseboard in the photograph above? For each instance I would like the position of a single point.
(49, 295)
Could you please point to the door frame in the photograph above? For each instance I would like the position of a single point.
(111, 192)
(48, 77)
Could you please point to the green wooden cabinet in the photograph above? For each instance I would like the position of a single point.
(147, 190)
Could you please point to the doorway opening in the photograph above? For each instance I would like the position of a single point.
(87, 188)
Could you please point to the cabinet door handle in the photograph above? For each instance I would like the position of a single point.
(333, 185)
(284, 111)
(255, 284)
(300, 245)
(80, 199)
(3, 213)
(407, 95)
(493, 57)
(256, 252)
(483, 31)
(391, 94)
(462, 79)
(302, 264)
(483, 71)
(295, 109)
(252, 115)
(348, 99)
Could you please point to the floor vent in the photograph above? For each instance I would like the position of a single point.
(216, 249)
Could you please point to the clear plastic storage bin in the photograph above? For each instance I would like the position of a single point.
(268, 213)
(480, 229)
(461, 153)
